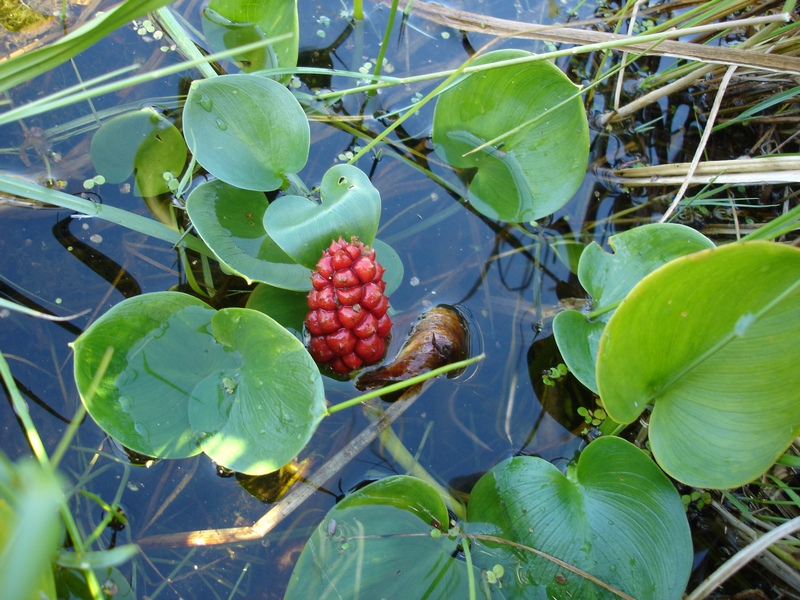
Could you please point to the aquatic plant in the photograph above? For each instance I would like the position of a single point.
(185, 376)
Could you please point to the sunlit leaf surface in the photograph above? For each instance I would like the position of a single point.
(710, 340)
(184, 377)
(614, 515)
(609, 277)
(541, 160)
(230, 221)
(247, 130)
(350, 206)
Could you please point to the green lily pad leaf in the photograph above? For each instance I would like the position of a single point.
(710, 340)
(162, 347)
(143, 142)
(256, 416)
(233, 23)
(230, 222)
(608, 278)
(184, 377)
(350, 205)
(378, 543)
(540, 161)
(247, 130)
(614, 515)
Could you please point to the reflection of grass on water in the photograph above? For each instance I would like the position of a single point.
(704, 67)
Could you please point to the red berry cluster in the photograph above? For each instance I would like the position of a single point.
(347, 319)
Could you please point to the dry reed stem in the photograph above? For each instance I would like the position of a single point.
(467, 21)
(745, 171)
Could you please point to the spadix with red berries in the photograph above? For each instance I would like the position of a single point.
(347, 317)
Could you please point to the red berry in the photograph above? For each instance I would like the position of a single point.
(347, 319)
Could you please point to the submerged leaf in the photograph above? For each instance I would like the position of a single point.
(232, 23)
(142, 142)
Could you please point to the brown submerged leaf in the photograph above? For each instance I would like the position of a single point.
(440, 337)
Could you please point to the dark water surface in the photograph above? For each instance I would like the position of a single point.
(507, 279)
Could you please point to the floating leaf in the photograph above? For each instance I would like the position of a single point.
(350, 205)
(608, 278)
(383, 541)
(247, 130)
(234, 23)
(143, 142)
(185, 377)
(710, 340)
(162, 348)
(255, 417)
(540, 161)
(614, 515)
(230, 221)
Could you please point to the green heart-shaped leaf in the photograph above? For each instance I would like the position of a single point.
(233, 23)
(185, 377)
(247, 130)
(378, 543)
(162, 348)
(230, 221)
(710, 340)
(143, 142)
(350, 206)
(614, 515)
(255, 417)
(608, 278)
(540, 160)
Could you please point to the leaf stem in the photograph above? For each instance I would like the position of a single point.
(470, 571)
(603, 309)
(385, 41)
(401, 385)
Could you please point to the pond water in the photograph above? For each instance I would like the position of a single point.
(509, 281)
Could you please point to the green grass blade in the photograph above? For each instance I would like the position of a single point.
(25, 189)
(29, 65)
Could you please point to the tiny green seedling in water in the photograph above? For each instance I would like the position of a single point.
(592, 417)
(551, 375)
(96, 180)
(699, 498)
(172, 182)
(495, 575)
